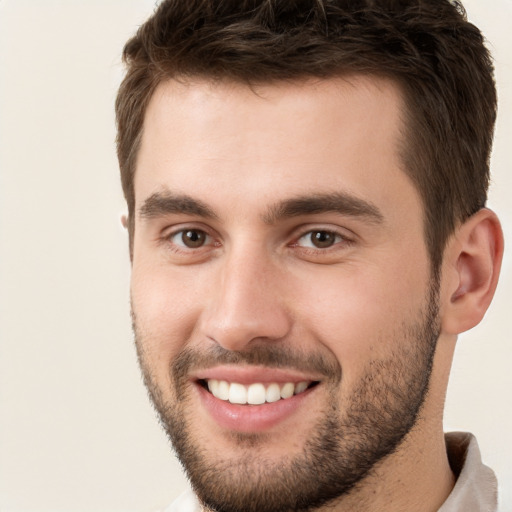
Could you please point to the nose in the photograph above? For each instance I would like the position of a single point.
(249, 302)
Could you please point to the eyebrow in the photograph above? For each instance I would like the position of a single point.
(165, 203)
(338, 202)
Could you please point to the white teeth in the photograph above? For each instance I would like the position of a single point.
(223, 390)
(287, 390)
(301, 387)
(237, 394)
(273, 393)
(255, 394)
(213, 386)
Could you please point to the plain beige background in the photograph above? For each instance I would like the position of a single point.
(76, 430)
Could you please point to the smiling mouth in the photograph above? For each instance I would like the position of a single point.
(256, 393)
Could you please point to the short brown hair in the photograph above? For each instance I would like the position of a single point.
(427, 47)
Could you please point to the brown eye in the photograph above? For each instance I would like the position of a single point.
(193, 238)
(190, 238)
(322, 239)
(319, 239)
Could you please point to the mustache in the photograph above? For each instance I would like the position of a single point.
(268, 355)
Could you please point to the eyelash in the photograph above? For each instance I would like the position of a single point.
(181, 248)
(177, 247)
(339, 238)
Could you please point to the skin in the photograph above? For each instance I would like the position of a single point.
(241, 152)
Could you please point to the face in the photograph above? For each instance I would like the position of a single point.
(284, 312)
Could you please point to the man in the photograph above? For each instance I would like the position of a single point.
(306, 185)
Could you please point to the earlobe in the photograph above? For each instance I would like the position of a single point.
(474, 257)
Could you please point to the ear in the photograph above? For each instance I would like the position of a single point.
(471, 267)
(124, 220)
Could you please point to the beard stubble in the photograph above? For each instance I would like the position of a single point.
(350, 438)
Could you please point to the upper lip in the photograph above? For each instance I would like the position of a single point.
(250, 374)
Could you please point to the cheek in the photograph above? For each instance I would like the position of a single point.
(359, 313)
(166, 306)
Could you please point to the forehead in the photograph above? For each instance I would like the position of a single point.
(288, 138)
(333, 110)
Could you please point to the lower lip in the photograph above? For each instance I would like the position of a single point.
(251, 418)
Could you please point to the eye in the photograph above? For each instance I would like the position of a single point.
(190, 238)
(319, 239)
